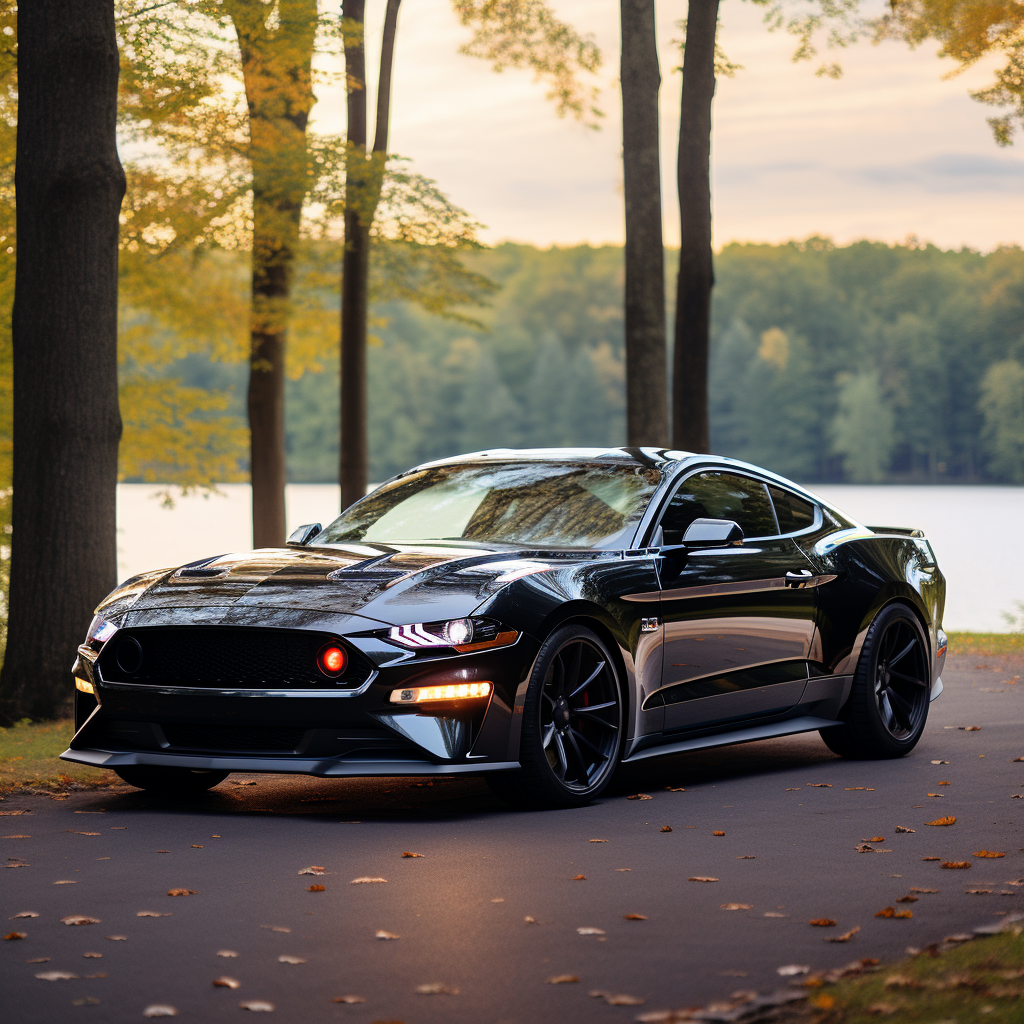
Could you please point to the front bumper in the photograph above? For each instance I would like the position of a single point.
(322, 732)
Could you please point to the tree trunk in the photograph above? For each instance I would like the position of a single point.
(277, 70)
(696, 274)
(646, 389)
(364, 175)
(69, 185)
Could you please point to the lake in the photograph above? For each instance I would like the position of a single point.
(970, 528)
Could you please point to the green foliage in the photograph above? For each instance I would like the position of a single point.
(1002, 406)
(862, 430)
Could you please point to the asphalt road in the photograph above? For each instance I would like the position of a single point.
(792, 814)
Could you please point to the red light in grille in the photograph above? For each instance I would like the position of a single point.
(332, 660)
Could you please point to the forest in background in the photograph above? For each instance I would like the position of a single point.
(859, 363)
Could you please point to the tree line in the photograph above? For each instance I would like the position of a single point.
(861, 363)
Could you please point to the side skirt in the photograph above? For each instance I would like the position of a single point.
(789, 727)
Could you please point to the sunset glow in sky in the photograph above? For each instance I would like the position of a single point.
(889, 150)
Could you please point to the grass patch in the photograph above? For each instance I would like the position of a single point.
(986, 645)
(29, 755)
(978, 981)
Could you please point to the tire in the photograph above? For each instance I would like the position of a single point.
(573, 724)
(165, 781)
(888, 705)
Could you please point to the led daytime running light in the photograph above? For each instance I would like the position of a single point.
(448, 691)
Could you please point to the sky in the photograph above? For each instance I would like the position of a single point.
(891, 150)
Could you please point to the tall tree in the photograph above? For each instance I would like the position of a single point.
(508, 33)
(277, 57)
(646, 393)
(696, 272)
(69, 184)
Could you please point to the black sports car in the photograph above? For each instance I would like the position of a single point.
(539, 616)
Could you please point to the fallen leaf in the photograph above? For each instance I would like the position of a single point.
(902, 828)
(563, 979)
(970, 728)
(931, 858)
(948, 820)
(316, 888)
(74, 833)
(92, 956)
(718, 833)
(257, 1005)
(529, 920)
(12, 813)
(634, 917)
(823, 922)
(66, 881)
(348, 999)
(866, 789)
(978, 892)
(195, 847)
(39, 960)
(907, 899)
(616, 1000)
(85, 1001)
(676, 789)
(916, 889)
(747, 856)
(181, 892)
(901, 981)
(381, 934)
(366, 879)
(640, 796)
(988, 853)
(116, 938)
(939, 795)
(893, 912)
(845, 937)
(945, 783)
(578, 878)
(24, 913)
(820, 785)
(598, 840)
(409, 853)
(701, 878)
(29, 837)
(287, 958)
(772, 913)
(792, 789)
(736, 906)
(940, 762)
(313, 869)
(864, 848)
(276, 928)
(56, 976)
(590, 931)
(225, 982)
(226, 952)
(961, 864)
(79, 919)
(791, 970)
(666, 828)
(874, 839)
(152, 913)
(623, 869)
(823, 1001)
(13, 936)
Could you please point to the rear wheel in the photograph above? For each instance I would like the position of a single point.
(888, 704)
(572, 724)
(170, 781)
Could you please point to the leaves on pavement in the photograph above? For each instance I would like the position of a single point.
(956, 864)
(988, 853)
(903, 828)
(226, 952)
(701, 878)
(276, 928)
(616, 1000)
(845, 937)
(640, 796)
(153, 913)
(634, 917)
(226, 982)
(24, 913)
(257, 1005)
(736, 906)
(348, 999)
(316, 888)
(578, 878)
(381, 934)
(287, 958)
(435, 988)
(563, 979)
(893, 912)
(590, 931)
(820, 785)
(874, 839)
(791, 970)
(365, 879)
(409, 853)
(56, 976)
(718, 833)
(313, 869)
(949, 819)
(76, 919)
(14, 936)
(181, 892)
(823, 922)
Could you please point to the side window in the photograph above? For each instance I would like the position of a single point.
(794, 514)
(714, 495)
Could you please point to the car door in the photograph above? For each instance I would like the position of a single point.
(738, 621)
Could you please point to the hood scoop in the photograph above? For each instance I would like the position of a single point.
(199, 573)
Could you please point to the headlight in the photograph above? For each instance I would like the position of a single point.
(100, 631)
(458, 634)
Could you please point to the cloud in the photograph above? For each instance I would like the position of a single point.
(950, 172)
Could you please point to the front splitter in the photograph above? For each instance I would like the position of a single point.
(322, 767)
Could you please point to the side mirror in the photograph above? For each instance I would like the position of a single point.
(304, 534)
(712, 533)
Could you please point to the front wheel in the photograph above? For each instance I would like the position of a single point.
(164, 781)
(888, 704)
(572, 724)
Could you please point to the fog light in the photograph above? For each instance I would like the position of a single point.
(448, 691)
(85, 686)
(332, 660)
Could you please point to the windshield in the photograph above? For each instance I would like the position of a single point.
(543, 504)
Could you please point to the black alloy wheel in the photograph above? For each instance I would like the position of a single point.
(163, 781)
(573, 724)
(888, 704)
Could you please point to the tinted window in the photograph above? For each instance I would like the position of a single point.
(557, 504)
(715, 495)
(793, 513)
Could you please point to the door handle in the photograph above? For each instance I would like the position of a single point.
(800, 578)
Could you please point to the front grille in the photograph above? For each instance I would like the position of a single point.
(235, 738)
(225, 657)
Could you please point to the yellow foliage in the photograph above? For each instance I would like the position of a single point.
(774, 347)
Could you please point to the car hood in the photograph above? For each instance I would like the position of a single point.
(353, 588)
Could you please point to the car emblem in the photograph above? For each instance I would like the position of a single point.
(649, 625)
